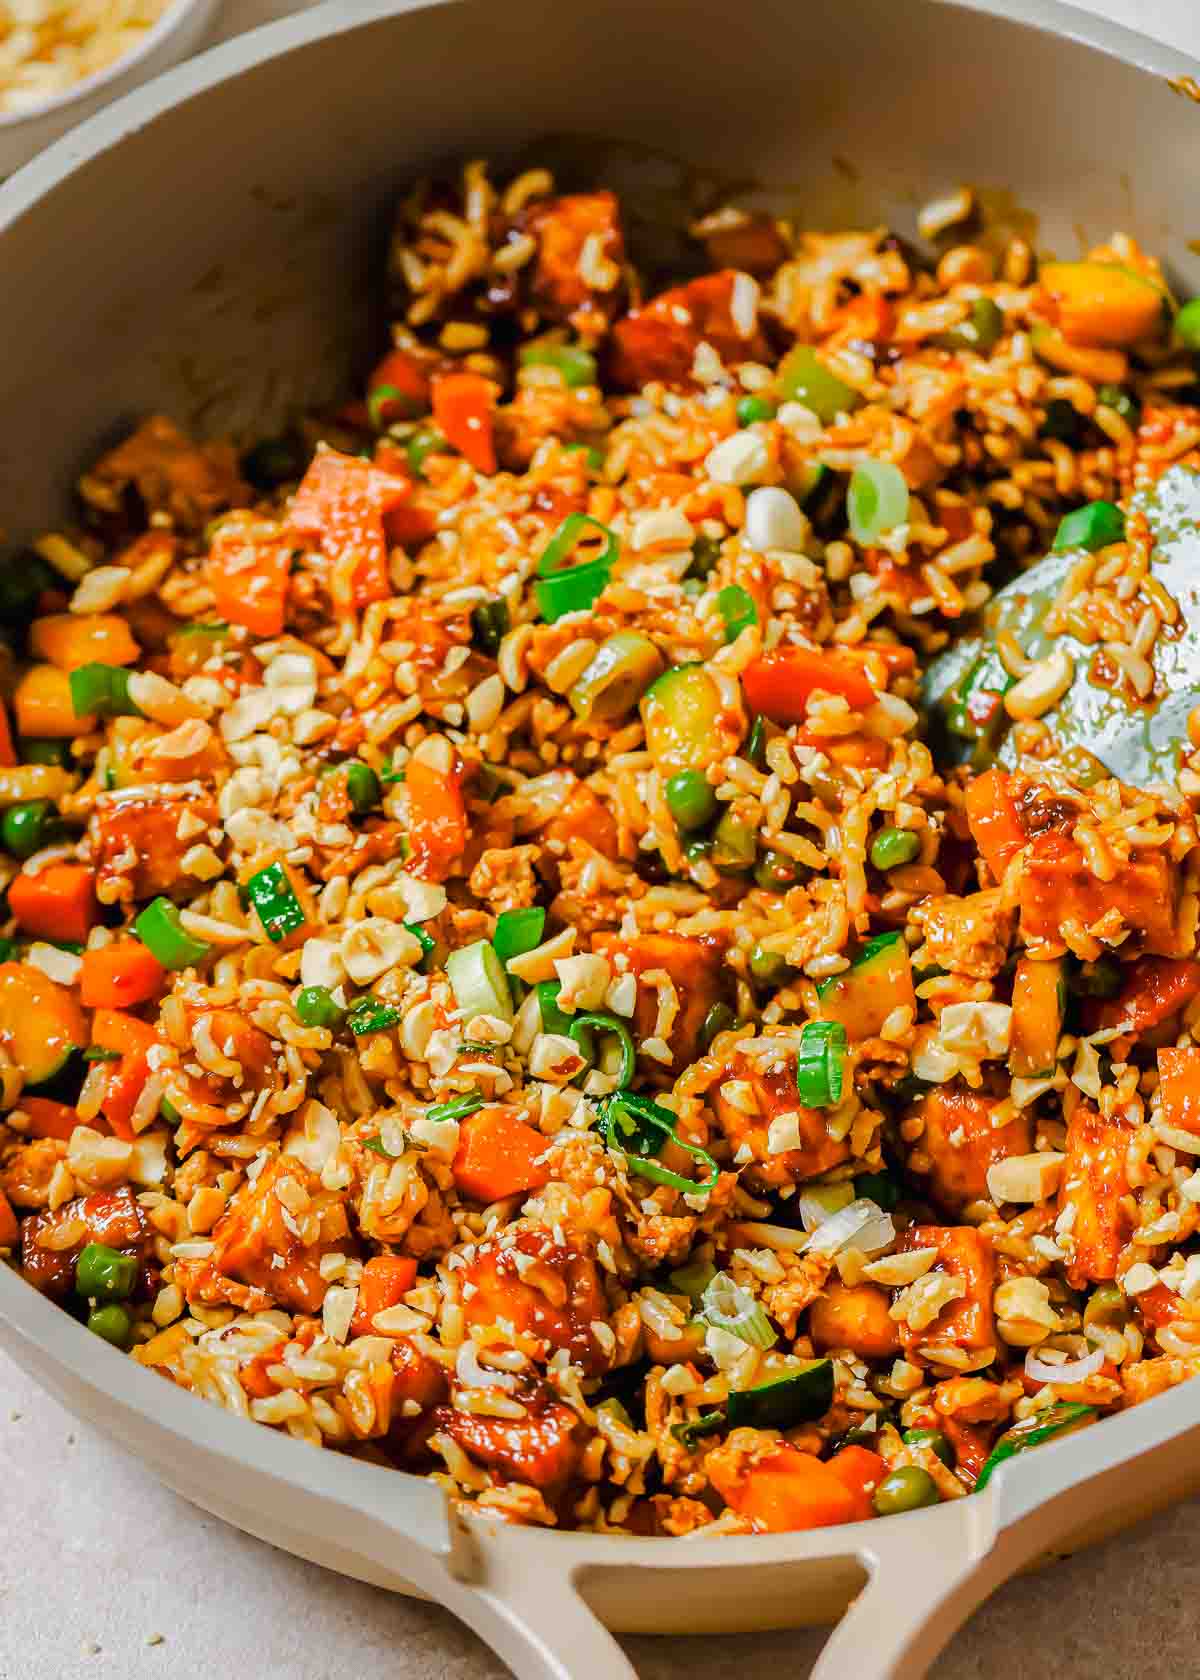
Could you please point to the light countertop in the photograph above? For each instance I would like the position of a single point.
(104, 1575)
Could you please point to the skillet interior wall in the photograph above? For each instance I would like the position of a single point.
(222, 261)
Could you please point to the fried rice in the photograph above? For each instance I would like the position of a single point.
(514, 967)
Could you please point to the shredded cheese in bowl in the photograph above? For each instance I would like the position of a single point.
(47, 46)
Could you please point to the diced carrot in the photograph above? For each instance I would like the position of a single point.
(463, 407)
(49, 1119)
(253, 1375)
(125, 1079)
(994, 822)
(437, 821)
(1093, 1199)
(70, 640)
(398, 389)
(854, 1316)
(498, 1155)
(787, 1491)
(8, 755)
(248, 570)
(778, 684)
(861, 1471)
(42, 705)
(9, 1229)
(863, 752)
(385, 1281)
(870, 315)
(341, 503)
(1103, 303)
(1179, 1087)
(119, 975)
(58, 902)
(1153, 989)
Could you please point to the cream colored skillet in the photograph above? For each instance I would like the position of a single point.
(211, 246)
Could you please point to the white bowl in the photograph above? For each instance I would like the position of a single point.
(177, 33)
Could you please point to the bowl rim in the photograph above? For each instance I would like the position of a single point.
(161, 30)
(29, 1318)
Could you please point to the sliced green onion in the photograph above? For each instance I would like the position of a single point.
(557, 552)
(571, 591)
(694, 1279)
(581, 1025)
(554, 1019)
(271, 894)
(425, 940)
(737, 608)
(577, 365)
(751, 409)
(804, 378)
(105, 1274)
(877, 500)
(1093, 526)
(316, 1007)
(102, 690)
(490, 623)
(518, 931)
(820, 1064)
(615, 678)
(478, 980)
(457, 1108)
(727, 1306)
(372, 1015)
(593, 456)
(892, 847)
(639, 1127)
(380, 397)
(165, 937)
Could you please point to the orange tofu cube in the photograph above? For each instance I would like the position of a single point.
(772, 1088)
(854, 1317)
(967, 1323)
(695, 969)
(1094, 1184)
(275, 1232)
(961, 1143)
(1057, 886)
(541, 1288)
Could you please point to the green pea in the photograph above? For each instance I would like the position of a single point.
(113, 1324)
(1092, 526)
(1121, 401)
(362, 786)
(775, 872)
(904, 1490)
(934, 1440)
(769, 968)
(1187, 324)
(315, 1007)
(718, 1020)
(1061, 422)
(893, 846)
(490, 623)
(105, 1274)
(27, 827)
(45, 752)
(735, 844)
(750, 409)
(691, 800)
(427, 441)
(979, 332)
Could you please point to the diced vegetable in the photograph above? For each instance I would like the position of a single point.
(119, 975)
(490, 623)
(577, 365)
(786, 1491)
(1093, 526)
(580, 1032)
(69, 640)
(564, 588)
(421, 445)
(341, 504)
(639, 1128)
(27, 827)
(112, 1324)
(43, 705)
(860, 1471)
(681, 713)
(1039, 1003)
(963, 1137)
(734, 844)
(248, 568)
(691, 800)
(316, 1007)
(980, 331)
(934, 1441)
(726, 1305)
(41, 1023)
(804, 378)
(45, 1117)
(1050, 1423)
(616, 677)
(371, 1015)
(479, 982)
(105, 1274)
(737, 608)
(820, 1064)
(163, 934)
(1179, 1087)
(1103, 303)
(499, 1155)
(1140, 994)
(554, 1019)
(876, 501)
(386, 1279)
(101, 691)
(878, 981)
(58, 902)
(802, 1397)
(1187, 324)
(893, 847)
(778, 684)
(398, 389)
(693, 1279)
(437, 820)
(125, 1079)
(906, 1489)
(518, 931)
(749, 410)
(995, 826)
(463, 409)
